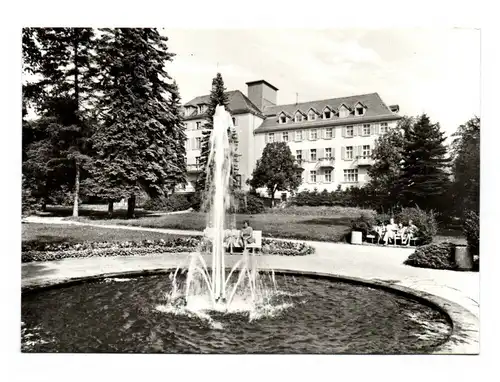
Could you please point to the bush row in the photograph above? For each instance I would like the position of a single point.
(435, 256)
(48, 252)
(350, 197)
(183, 202)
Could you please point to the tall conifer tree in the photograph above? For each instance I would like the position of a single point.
(424, 178)
(136, 144)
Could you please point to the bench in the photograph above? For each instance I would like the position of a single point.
(229, 245)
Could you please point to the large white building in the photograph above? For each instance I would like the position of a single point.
(331, 139)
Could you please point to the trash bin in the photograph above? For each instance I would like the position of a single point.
(463, 257)
(356, 237)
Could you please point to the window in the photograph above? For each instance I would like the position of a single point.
(343, 112)
(329, 133)
(327, 114)
(349, 131)
(298, 155)
(351, 175)
(298, 117)
(348, 152)
(197, 161)
(270, 138)
(313, 154)
(366, 151)
(311, 116)
(314, 134)
(197, 143)
(360, 110)
(285, 136)
(366, 129)
(283, 118)
(198, 125)
(383, 128)
(235, 121)
(328, 152)
(298, 135)
(328, 176)
(313, 176)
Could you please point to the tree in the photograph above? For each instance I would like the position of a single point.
(218, 97)
(136, 143)
(178, 173)
(61, 63)
(424, 178)
(465, 167)
(386, 169)
(276, 170)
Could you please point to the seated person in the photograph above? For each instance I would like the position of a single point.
(378, 230)
(390, 232)
(247, 234)
(412, 230)
(404, 232)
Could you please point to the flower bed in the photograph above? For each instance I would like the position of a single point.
(35, 251)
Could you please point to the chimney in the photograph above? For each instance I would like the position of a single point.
(262, 93)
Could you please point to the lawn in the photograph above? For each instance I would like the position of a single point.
(303, 223)
(330, 224)
(55, 233)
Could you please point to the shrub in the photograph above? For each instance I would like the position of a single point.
(174, 202)
(435, 256)
(382, 219)
(255, 205)
(471, 232)
(196, 201)
(364, 223)
(425, 222)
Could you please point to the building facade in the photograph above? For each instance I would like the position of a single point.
(331, 139)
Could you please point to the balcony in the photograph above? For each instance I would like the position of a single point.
(364, 160)
(325, 162)
(191, 168)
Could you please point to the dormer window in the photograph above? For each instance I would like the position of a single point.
(311, 116)
(327, 114)
(359, 109)
(298, 117)
(343, 111)
(282, 118)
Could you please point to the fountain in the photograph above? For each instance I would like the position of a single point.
(213, 285)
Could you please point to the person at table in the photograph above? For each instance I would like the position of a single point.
(247, 234)
(390, 232)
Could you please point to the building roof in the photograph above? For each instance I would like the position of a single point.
(262, 82)
(238, 104)
(376, 110)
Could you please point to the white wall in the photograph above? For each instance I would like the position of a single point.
(336, 143)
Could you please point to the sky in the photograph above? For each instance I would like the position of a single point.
(436, 71)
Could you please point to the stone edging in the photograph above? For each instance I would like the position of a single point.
(464, 338)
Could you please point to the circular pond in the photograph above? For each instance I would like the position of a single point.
(308, 315)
